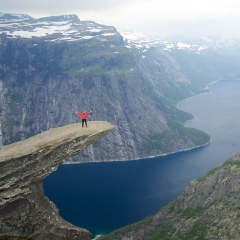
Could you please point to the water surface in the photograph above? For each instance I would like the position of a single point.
(102, 197)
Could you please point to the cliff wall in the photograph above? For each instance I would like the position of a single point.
(44, 80)
(25, 210)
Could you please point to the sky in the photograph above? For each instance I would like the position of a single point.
(163, 18)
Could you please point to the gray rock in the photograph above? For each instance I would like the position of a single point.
(25, 210)
(46, 78)
(207, 209)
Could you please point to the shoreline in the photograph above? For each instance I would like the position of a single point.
(170, 153)
(139, 159)
(206, 88)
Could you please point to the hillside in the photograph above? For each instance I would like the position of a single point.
(207, 209)
(52, 67)
(202, 59)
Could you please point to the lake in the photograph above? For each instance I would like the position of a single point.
(102, 197)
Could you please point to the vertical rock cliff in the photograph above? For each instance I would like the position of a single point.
(25, 210)
(52, 67)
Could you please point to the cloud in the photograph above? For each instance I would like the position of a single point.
(165, 17)
(60, 6)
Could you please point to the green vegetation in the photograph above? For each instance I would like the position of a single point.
(13, 238)
(115, 235)
(16, 97)
(30, 134)
(234, 161)
(8, 124)
(94, 58)
(192, 212)
(210, 173)
(176, 118)
(198, 232)
(168, 107)
(96, 144)
(13, 139)
(198, 136)
(161, 141)
(45, 147)
(168, 232)
(170, 207)
(165, 232)
(154, 142)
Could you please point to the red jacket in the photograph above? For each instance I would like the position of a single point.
(84, 114)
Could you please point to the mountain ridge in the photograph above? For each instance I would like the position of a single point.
(207, 209)
(53, 28)
(87, 66)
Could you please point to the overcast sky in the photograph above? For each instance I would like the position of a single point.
(151, 17)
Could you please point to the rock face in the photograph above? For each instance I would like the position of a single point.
(52, 67)
(207, 209)
(25, 210)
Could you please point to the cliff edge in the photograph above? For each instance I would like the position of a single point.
(25, 210)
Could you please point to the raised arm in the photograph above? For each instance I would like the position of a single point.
(88, 112)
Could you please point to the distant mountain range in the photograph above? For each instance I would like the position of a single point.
(69, 28)
(54, 66)
(199, 45)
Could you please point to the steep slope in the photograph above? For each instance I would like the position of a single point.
(207, 209)
(52, 67)
(202, 59)
(25, 210)
(208, 67)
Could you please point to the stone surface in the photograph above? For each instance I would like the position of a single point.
(25, 210)
(209, 208)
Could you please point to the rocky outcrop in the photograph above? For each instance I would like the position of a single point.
(52, 67)
(25, 210)
(209, 208)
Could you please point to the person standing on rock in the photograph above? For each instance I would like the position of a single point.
(84, 117)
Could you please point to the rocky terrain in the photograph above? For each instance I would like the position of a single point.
(209, 208)
(25, 211)
(54, 66)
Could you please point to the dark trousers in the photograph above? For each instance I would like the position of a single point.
(84, 120)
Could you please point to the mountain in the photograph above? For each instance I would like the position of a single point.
(207, 209)
(54, 66)
(203, 59)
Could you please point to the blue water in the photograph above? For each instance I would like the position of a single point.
(102, 197)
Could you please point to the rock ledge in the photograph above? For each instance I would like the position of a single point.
(25, 210)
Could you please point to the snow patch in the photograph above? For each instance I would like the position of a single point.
(68, 28)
